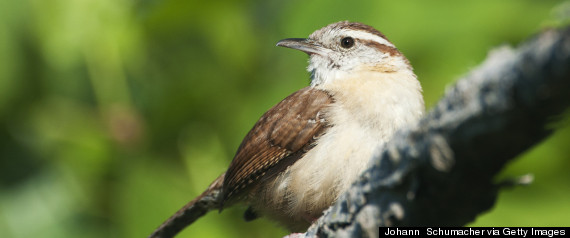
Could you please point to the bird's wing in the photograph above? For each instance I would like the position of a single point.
(285, 131)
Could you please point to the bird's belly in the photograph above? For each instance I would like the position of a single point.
(330, 168)
(305, 189)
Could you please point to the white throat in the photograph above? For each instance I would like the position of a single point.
(324, 71)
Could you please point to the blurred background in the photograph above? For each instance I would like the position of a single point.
(115, 113)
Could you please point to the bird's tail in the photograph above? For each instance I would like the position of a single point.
(195, 209)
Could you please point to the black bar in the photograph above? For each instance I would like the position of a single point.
(524, 232)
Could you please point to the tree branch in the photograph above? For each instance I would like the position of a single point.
(441, 171)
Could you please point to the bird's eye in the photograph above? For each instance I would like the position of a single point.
(347, 42)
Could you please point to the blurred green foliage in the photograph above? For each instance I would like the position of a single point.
(113, 114)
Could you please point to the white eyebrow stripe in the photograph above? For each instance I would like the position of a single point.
(369, 36)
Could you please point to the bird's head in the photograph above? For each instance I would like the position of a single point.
(345, 48)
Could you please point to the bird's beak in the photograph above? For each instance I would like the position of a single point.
(306, 45)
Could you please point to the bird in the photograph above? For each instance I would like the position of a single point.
(304, 152)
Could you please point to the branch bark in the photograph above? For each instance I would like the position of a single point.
(441, 171)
